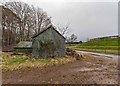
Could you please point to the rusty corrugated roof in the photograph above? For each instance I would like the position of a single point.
(24, 44)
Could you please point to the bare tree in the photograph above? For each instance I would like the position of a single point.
(72, 38)
(33, 19)
(23, 11)
(39, 19)
(63, 29)
(10, 23)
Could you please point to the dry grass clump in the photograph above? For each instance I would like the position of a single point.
(12, 62)
(73, 53)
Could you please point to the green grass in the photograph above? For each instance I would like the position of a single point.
(16, 61)
(19, 60)
(98, 47)
(102, 42)
(107, 45)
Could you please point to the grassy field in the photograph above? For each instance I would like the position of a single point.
(107, 45)
(12, 62)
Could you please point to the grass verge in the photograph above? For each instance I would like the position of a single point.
(94, 49)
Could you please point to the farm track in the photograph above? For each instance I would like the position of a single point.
(98, 70)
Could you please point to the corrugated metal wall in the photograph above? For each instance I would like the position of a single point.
(59, 43)
(48, 44)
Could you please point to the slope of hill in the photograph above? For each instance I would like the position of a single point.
(102, 42)
(105, 45)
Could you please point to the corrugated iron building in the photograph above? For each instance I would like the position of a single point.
(48, 43)
(23, 47)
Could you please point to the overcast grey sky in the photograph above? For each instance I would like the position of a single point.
(87, 19)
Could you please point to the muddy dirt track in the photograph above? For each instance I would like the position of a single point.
(98, 70)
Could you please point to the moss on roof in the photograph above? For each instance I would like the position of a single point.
(24, 44)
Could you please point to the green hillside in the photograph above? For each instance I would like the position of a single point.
(106, 45)
(102, 42)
